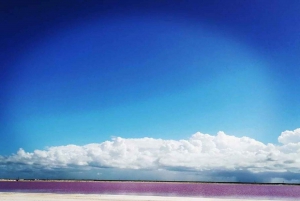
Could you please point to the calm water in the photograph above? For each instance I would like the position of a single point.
(166, 189)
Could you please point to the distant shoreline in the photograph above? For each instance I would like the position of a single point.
(138, 181)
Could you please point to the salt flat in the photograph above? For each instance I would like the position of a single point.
(9, 196)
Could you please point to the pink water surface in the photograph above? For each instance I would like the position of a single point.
(156, 188)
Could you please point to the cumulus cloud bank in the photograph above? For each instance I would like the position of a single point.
(200, 153)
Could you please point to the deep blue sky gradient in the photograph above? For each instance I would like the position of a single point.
(77, 72)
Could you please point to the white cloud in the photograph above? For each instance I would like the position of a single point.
(201, 152)
(287, 137)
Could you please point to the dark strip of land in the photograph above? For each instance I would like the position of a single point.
(152, 181)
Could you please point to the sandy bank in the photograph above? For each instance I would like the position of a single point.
(82, 197)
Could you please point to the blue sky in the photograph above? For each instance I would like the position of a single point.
(87, 72)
